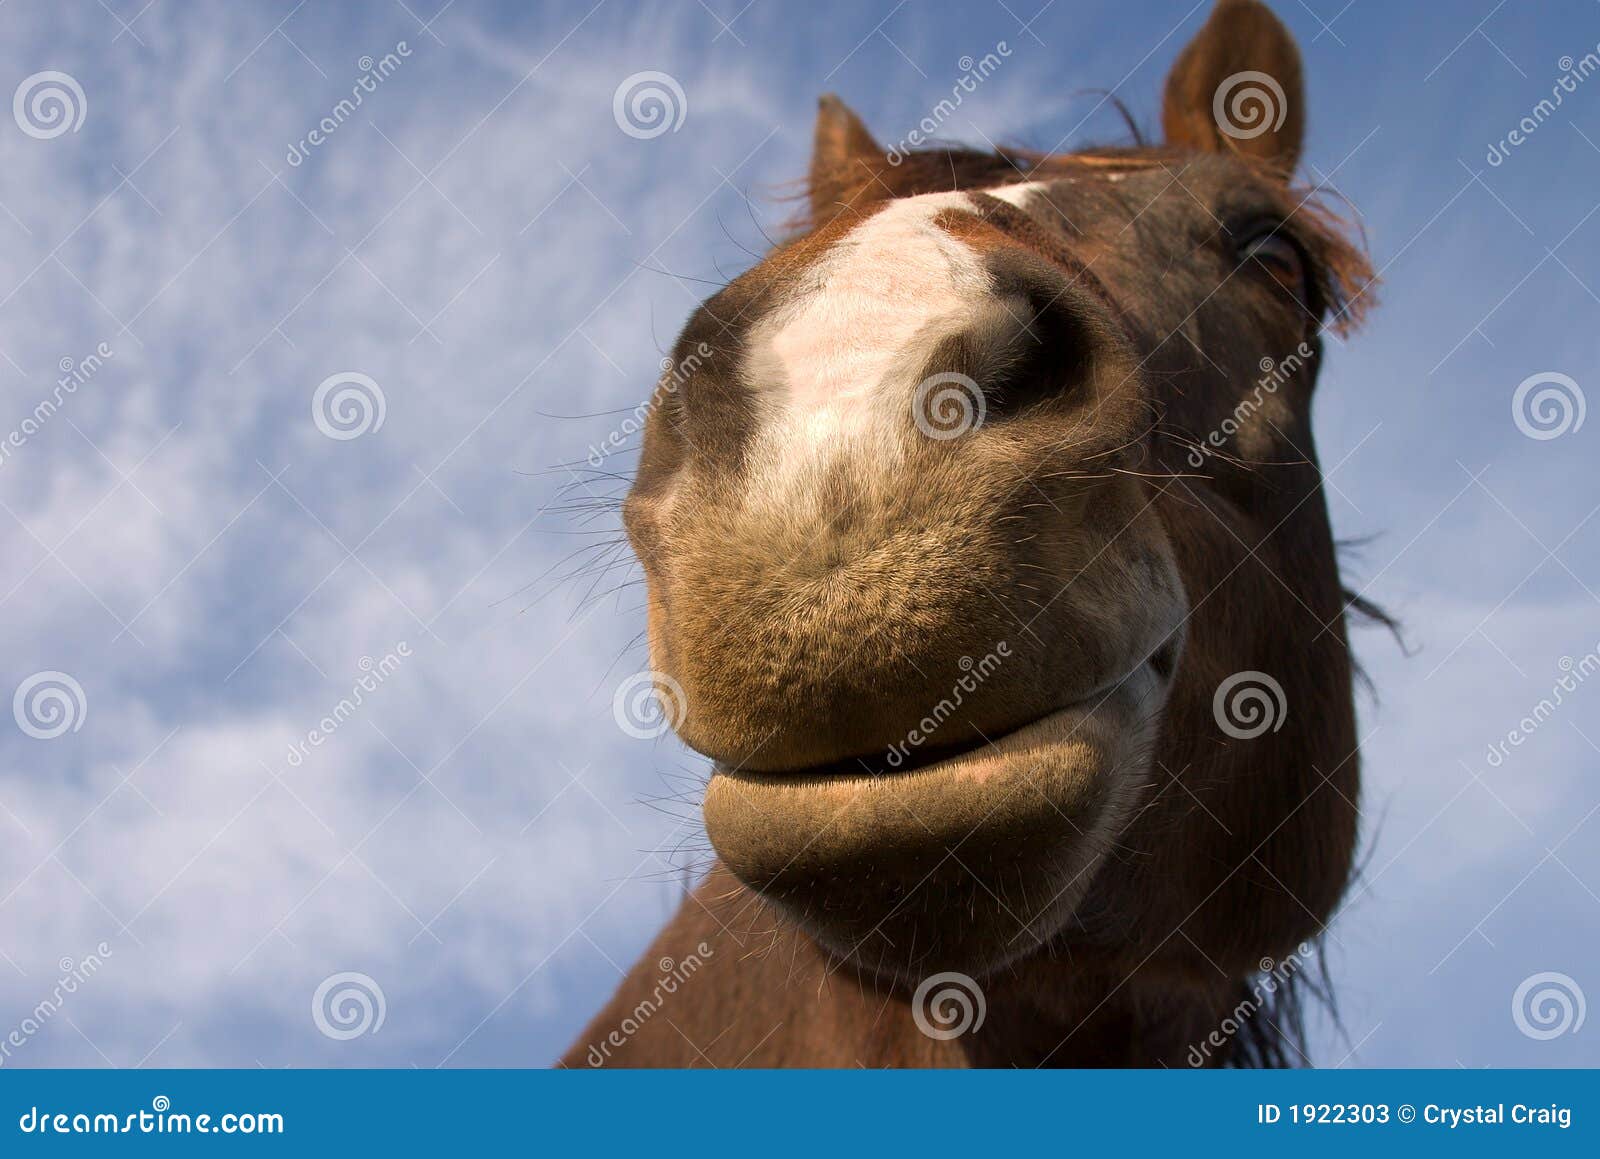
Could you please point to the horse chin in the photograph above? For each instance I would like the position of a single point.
(968, 863)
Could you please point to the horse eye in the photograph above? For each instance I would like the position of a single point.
(1280, 257)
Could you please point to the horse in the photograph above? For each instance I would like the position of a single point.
(987, 558)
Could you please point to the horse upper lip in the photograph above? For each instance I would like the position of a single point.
(879, 763)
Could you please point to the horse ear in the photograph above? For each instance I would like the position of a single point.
(843, 160)
(1237, 87)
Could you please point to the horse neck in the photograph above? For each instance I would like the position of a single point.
(762, 994)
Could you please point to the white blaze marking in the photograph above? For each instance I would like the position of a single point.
(1019, 195)
(838, 364)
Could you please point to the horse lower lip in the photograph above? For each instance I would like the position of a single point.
(852, 856)
(754, 818)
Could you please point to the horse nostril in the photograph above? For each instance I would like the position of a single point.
(1047, 356)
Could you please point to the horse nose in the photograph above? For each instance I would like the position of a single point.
(888, 617)
(835, 559)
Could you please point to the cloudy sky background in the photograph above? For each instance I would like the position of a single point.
(485, 243)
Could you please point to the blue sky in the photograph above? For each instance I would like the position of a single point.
(482, 241)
